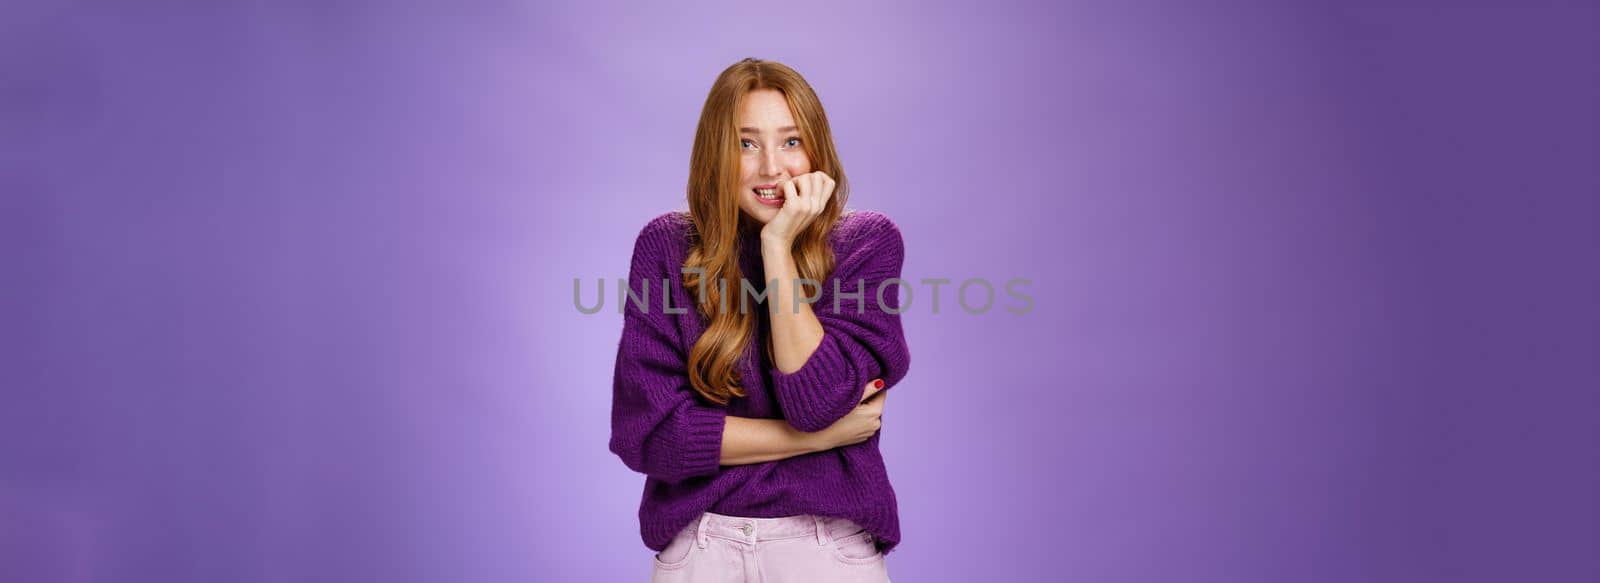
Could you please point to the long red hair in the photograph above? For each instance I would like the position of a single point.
(714, 210)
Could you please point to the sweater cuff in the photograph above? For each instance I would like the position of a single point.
(702, 440)
(823, 389)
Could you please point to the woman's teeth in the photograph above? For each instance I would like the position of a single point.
(767, 193)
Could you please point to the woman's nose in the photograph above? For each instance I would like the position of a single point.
(769, 164)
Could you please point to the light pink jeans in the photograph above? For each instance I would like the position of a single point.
(719, 548)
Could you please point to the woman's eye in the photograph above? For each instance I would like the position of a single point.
(790, 143)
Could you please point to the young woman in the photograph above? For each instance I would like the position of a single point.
(750, 391)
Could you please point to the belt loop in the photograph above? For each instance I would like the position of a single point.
(822, 530)
(700, 531)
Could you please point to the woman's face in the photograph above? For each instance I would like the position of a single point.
(770, 152)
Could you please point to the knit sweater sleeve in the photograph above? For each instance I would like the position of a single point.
(659, 425)
(862, 339)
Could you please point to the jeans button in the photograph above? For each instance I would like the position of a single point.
(746, 529)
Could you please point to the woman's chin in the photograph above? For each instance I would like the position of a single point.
(761, 214)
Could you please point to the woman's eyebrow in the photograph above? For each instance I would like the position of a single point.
(756, 131)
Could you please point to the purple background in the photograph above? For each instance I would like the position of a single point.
(287, 290)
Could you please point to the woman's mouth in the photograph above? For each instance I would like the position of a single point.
(768, 195)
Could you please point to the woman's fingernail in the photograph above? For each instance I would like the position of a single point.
(877, 384)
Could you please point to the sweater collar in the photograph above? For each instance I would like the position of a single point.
(749, 245)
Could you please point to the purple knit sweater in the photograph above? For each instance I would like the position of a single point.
(662, 428)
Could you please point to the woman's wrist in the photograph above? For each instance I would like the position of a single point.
(776, 242)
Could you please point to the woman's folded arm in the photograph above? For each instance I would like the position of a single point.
(748, 440)
(659, 425)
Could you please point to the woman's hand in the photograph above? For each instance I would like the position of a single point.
(858, 425)
(804, 197)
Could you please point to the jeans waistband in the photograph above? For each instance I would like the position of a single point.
(751, 530)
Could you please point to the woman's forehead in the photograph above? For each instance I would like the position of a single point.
(765, 110)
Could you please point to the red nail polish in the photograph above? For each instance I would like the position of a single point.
(877, 384)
